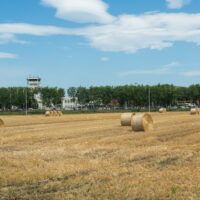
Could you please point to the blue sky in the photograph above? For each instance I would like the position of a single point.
(100, 42)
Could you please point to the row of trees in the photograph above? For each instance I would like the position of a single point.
(20, 96)
(135, 95)
(130, 95)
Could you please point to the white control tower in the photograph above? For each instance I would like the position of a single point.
(33, 82)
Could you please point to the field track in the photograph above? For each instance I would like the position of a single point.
(90, 156)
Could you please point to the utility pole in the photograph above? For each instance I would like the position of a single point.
(149, 99)
(26, 102)
(10, 100)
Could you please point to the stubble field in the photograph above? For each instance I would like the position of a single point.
(90, 156)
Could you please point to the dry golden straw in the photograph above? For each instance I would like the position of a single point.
(194, 111)
(60, 113)
(47, 114)
(54, 113)
(58, 157)
(1, 123)
(142, 122)
(126, 119)
(162, 110)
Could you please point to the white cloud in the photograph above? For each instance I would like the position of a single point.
(4, 55)
(38, 30)
(9, 37)
(153, 31)
(177, 4)
(166, 69)
(105, 59)
(191, 73)
(6, 38)
(144, 72)
(8, 32)
(129, 33)
(172, 64)
(82, 11)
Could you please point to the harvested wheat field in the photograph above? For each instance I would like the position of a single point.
(90, 156)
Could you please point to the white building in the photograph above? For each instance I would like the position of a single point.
(69, 103)
(38, 98)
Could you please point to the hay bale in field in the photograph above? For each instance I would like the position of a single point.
(51, 113)
(55, 113)
(1, 123)
(60, 113)
(162, 110)
(126, 119)
(47, 114)
(142, 122)
(194, 111)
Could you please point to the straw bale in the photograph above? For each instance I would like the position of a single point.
(142, 122)
(162, 110)
(55, 113)
(47, 114)
(1, 123)
(126, 119)
(194, 111)
(60, 113)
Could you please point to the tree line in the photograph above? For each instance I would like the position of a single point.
(136, 95)
(126, 95)
(19, 97)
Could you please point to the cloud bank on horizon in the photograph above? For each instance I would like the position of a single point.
(124, 33)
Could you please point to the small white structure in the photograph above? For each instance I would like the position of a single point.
(69, 103)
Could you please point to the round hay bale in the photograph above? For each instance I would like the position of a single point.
(162, 110)
(142, 122)
(194, 111)
(1, 123)
(51, 113)
(55, 113)
(60, 113)
(47, 114)
(126, 119)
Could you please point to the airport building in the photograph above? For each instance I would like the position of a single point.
(69, 103)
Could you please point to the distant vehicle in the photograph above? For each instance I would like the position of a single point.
(184, 107)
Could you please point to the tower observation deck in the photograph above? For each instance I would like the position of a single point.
(33, 82)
